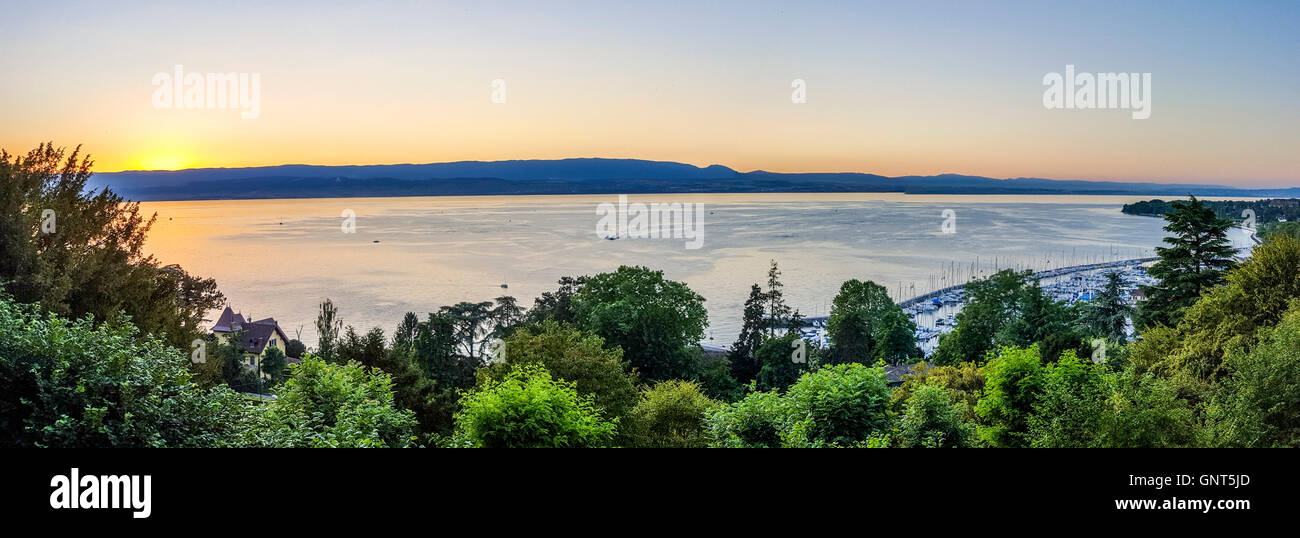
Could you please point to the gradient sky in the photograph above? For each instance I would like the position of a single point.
(894, 88)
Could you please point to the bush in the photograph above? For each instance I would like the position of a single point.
(71, 384)
(757, 421)
(571, 355)
(528, 408)
(671, 415)
(331, 405)
(841, 405)
(931, 420)
(1012, 384)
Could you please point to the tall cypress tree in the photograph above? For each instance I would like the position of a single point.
(1198, 256)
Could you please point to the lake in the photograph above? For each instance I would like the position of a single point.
(281, 258)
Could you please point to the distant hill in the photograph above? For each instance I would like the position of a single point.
(586, 176)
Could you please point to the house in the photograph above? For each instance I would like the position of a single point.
(254, 337)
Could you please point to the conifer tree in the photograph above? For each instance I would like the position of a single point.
(1198, 255)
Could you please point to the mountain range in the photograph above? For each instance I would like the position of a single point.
(588, 176)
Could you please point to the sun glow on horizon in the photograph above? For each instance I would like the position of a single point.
(163, 162)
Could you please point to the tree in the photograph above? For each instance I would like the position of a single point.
(505, 316)
(573, 356)
(1142, 411)
(1257, 294)
(992, 303)
(530, 409)
(1008, 309)
(1036, 319)
(931, 420)
(779, 370)
(470, 321)
(759, 420)
(74, 384)
(557, 305)
(841, 405)
(331, 405)
(1198, 254)
(1068, 411)
(866, 325)
(1012, 384)
(274, 365)
(671, 415)
(294, 348)
(1259, 406)
(236, 370)
(965, 382)
(76, 251)
(654, 320)
(744, 365)
(777, 311)
(404, 335)
(434, 350)
(327, 329)
(1107, 314)
(369, 350)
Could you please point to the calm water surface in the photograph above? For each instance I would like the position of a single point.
(280, 258)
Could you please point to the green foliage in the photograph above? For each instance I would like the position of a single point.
(1259, 406)
(671, 414)
(1008, 309)
(1068, 411)
(530, 409)
(1266, 211)
(756, 421)
(1273, 230)
(274, 365)
(744, 365)
(866, 325)
(295, 349)
(470, 322)
(557, 305)
(931, 419)
(331, 405)
(655, 321)
(1256, 295)
(1142, 411)
(991, 303)
(1107, 314)
(1198, 254)
(72, 384)
(714, 377)
(778, 313)
(779, 370)
(328, 327)
(90, 261)
(368, 350)
(571, 355)
(965, 382)
(840, 405)
(1013, 382)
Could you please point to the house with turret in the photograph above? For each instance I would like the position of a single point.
(253, 337)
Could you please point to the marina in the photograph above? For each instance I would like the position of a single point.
(935, 313)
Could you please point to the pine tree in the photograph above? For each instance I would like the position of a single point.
(1107, 314)
(1196, 260)
(743, 364)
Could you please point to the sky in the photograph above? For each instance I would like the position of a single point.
(893, 88)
